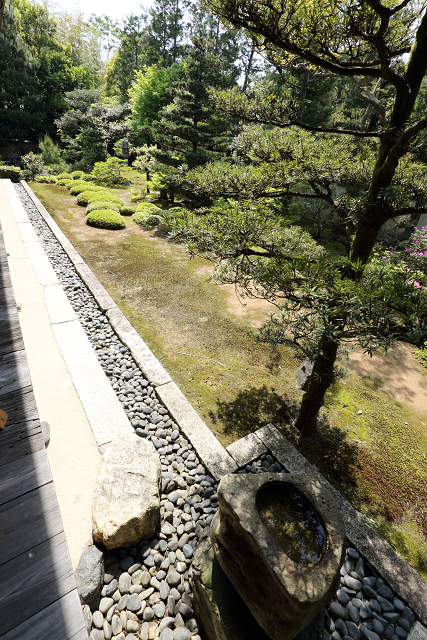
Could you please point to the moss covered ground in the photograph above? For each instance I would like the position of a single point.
(204, 337)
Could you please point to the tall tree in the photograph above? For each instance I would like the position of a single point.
(364, 44)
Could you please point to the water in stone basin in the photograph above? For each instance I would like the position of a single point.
(292, 522)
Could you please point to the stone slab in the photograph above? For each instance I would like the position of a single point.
(103, 409)
(27, 232)
(103, 299)
(15, 204)
(400, 576)
(247, 449)
(208, 448)
(144, 357)
(74, 256)
(43, 269)
(418, 632)
(57, 304)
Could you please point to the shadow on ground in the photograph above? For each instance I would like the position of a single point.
(329, 449)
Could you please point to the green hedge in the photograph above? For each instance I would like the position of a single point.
(105, 219)
(45, 179)
(126, 210)
(148, 208)
(77, 174)
(63, 182)
(64, 176)
(84, 186)
(11, 173)
(102, 204)
(84, 198)
(147, 220)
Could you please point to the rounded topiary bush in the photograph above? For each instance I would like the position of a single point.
(147, 220)
(127, 210)
(102, 204)
(87, 176)
(45, 179)
(84, 198)
(106, 219)
(148, 208)
(63, 182)
(77, 174)
(64, 176)
(84, 186)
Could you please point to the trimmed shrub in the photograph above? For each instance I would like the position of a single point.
(87, 177)
(84, 186)
(77, 174)
(46, 179)
(12, 173)
(102, 204)
(106, 219)
(125, 210)
(145, 220)
(65, 176)
(148, 208)
(61, 183)
(84, 198)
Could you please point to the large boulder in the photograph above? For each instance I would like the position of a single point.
(89, 576)
(284, 595)
(126, 501)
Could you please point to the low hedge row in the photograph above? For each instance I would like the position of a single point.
(106, 219)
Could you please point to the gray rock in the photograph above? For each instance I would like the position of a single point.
(341, 627)
(368, 634)
(338, 611)
(353, 630)
(352, 583)
(87, 617)
(125, 583)
(402, 622)
(353, 614)
(159, 609)
(343, 597)
(89, 576)
(240, 543)
(110, 573)
(116, 625)
(181, 633)
(173, 578)
(401, 633)
(303, 374)
(148, 614)
(352, 553)
(166, 634)
(98, 620)
(377, 626)
(108, 632)
(385, 605)
(134, 602)
(385, 592)
(45, 432)
(105, 604)
(126, 501)
(391, 616)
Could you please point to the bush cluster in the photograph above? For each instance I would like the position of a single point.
(102, 204)
(105, 219)
(126, 210)
(77, 174)
(65, 176)
(63, 182)
(86, 197)
(147, 220)
(76, 189)
(11, 173)
(46, 179)
(148, 208)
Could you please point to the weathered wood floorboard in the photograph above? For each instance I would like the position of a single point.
(38, 595)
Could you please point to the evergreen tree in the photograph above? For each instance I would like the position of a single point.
(21, 108)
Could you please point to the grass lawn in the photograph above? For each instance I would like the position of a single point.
(203, 336)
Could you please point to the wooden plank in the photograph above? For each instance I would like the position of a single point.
(7, 298)
(27, 521)
(10, 331)
(19, 405)
(61, 620)
(5, 279)
(24, 475)
(19, 440)
(14, 372)
(33, 581)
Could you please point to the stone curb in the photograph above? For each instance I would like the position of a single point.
(212, 453)
(402, 578)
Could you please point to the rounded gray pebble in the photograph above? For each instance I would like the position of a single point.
(353, 630)
(338, 611)
(134, 602)
(352, 583)
(385, 592)
(368, 634)
(182, 633)
(340, 626)
(166, 634)
(98, 620)
(353, 614)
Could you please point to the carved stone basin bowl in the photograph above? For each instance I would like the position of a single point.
(280, 541)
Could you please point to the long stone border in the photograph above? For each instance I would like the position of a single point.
(401, 577)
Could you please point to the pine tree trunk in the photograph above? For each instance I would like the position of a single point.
(320, 380)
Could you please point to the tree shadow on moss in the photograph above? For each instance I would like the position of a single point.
(329, 449)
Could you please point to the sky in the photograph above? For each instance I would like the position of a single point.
(117, 9)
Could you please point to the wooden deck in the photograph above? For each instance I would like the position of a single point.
(38, 596)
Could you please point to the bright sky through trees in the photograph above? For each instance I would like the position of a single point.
(115, 10)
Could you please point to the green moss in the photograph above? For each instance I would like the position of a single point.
(106, 219)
